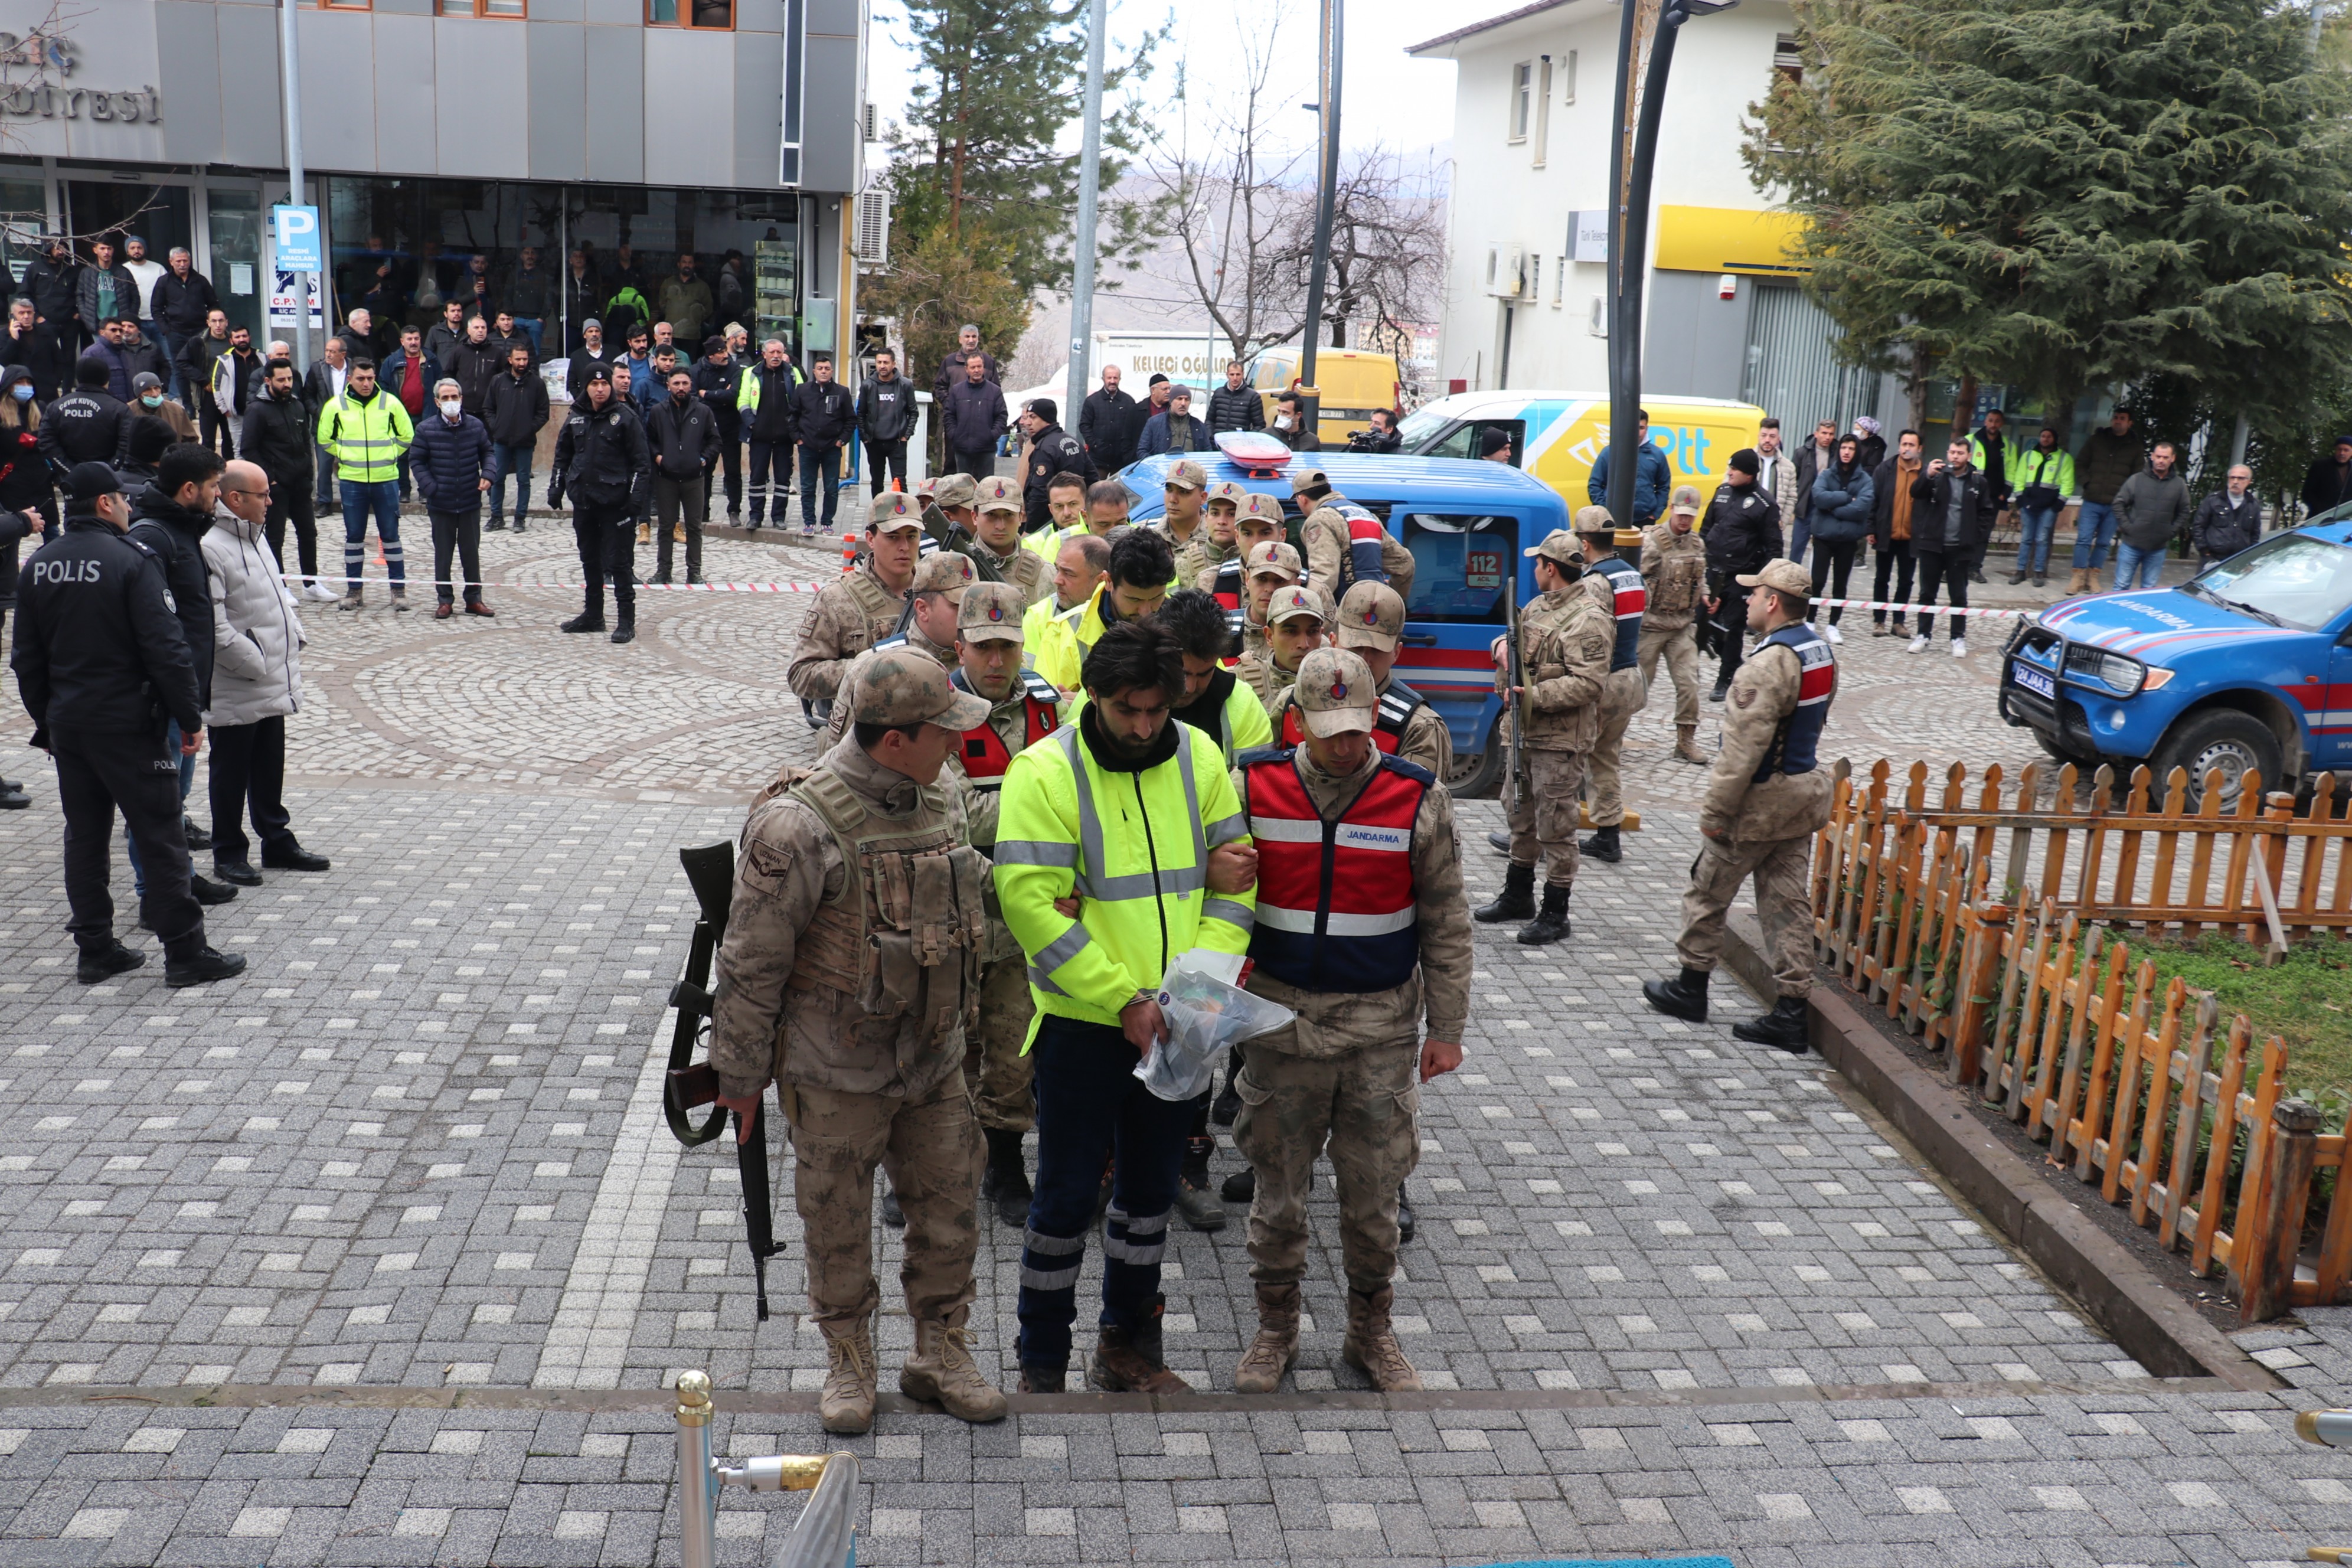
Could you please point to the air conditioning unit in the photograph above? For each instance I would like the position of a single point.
(1506, 270)
(871, 241)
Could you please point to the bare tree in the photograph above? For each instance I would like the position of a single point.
(1387, 261)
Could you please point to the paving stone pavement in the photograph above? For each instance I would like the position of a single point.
(379, 1254)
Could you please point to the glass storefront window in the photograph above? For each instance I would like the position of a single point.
(697, 14)
(24, 215)
(745, 245)
(235, 217)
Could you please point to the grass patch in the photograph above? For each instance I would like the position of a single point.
(2306, 1000)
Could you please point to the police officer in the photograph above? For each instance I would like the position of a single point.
(850, 975)
(1742, 531)
(1564, 650)
(88, 424)
(103, 666)
(1343, 828)
(861, 610)
(1343, 542)
(1297, 623)
(1371, 626)
(1024, 708)
(1184, 491)
(1767, 795)
(1674, 567)
(1618, 592)
(603, 463)
(1052, 450)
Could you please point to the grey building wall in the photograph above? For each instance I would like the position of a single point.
(1694, 341)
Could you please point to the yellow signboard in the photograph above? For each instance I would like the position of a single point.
(1730, 239)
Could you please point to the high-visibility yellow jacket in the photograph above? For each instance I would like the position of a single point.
(365, 439)
(1033, 622)
(1134, 846)
(1059, 650)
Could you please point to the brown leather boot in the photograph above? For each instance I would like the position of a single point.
(1276, 1345)
(846, 1404)
(1686, 744)
(1371, 1346)
(2080, 582)
(942, 1371)
(1127, 1361)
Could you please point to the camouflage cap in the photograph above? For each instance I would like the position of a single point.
(894, 510)
(1187, 475)
(1264, 507)
(902, 686)
(1781, 576)
(1335, 692)
(1225, 490)
(945, 572)
(991, 612)
(1306, 480)
(1595, 520)
(1686, 501)
(997, 493)
(1275, 558)
(1371, 616)
(1559, 545)
(1289, 603)
(954, 489)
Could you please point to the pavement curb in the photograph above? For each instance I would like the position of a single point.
(2138, 1311)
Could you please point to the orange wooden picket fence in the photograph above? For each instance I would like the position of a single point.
(2029, 990)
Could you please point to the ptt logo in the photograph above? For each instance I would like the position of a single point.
(1685, 446)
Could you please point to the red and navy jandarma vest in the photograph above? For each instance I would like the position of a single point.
(1361, 564)
(1229, 596)
(1796, 744)
(1336, 904)
(984, 751)
(1633, 600)
(1397, 705)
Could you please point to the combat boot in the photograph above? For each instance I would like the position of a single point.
(1784, 1028)
(1372, 1346)
(1686, 744)
(1499, 841)
(1722, 685)
(1276, 1346)
(1005, 1184)
(1517, 901)
(846, 1405)
(1602, 845)
(1038, 1378)
(941, 1372)
(1684, 996)
(1550, 924)
(1128, 1361)
(356, 597)
(1194, 1201)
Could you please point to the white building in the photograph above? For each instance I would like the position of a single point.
(1534, 93)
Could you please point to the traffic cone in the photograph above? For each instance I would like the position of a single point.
(848, 552)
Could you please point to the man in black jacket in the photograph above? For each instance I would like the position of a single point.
(88, 425)
(952, 369)
(600, 460)
(103, 663)
(886, 418)
(35, 347)
(971, 418)
(1108, 423)
(1742, 531)
(590, 353)
(822, 418)
(1052, 450)
(2228, 521)
(1952, 509)
(764, 399)
(281, 436)
(718, 378)
(683, 437)
(51, 282)
(473, 364)
(1236, 405)
(515, 411)
(182, 301)
(2327, 483)
(194, 359)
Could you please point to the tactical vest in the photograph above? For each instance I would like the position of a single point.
(1360, 562)
(982, 751)
(905, 935)
(1337, 909)
(1633, 597)
(1397, 705)
(1796, 741)
(875, 603)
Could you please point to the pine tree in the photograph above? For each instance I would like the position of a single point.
(2059, 194)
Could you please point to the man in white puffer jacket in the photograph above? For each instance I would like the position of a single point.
(256, 683)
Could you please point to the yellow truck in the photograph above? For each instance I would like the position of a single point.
(1555, 435)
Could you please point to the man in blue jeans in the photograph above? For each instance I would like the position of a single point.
(2109, 456)
(515, 410)
(366, 430)
(822, 417)
(2151, 508)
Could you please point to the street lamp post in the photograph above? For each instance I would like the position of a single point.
(1327, 110)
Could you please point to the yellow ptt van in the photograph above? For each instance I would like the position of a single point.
(1555, 435)
(1351, 381)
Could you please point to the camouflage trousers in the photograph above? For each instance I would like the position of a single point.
(1624, 696)
(932, 1155)
(1782, 869)
(1679, 648)
(1544, 821)
(994, 1069)
(1364, 1105)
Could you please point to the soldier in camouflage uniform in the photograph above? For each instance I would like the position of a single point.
(1185, 492)
(998, 546)
(949, 519)
(1564, 642)
(1326, 535)
(1371, 626)
(935, 595)
(1270, 565)
(1674, 564)
(853, 614)
(1767, 795)
(1345, 1072)
(1297, 621)
(1024, 708)
(849, 974)
(1218, 539)
(1616, 589)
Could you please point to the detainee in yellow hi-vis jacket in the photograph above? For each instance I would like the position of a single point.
(1132, 814)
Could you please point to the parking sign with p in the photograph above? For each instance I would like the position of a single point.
(295, 231)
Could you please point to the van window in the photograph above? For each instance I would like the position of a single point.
(1461, 565)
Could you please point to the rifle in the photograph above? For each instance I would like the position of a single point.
(710, 872)
(1514, 677)
(950, 534)
(1710, 635)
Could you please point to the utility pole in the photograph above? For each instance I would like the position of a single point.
(1082, 270)
(1327, 110)
(290, 66)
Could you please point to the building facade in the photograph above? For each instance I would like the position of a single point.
(607, 136)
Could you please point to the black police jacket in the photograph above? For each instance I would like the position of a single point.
(600, 457)
(1054, 450)
(100, 646)
(85, 427)
(176, 536)
(1742, 529)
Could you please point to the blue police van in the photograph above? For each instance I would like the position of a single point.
(1465, 523)
(2246, 668)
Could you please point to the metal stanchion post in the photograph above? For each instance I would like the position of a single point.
(697, 1493)
(826, 1535)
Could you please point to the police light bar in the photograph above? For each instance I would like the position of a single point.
(1262, 455)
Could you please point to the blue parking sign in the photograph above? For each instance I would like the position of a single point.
(295, 231)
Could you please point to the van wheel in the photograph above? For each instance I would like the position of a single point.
(1476, 777)
(2219, 740)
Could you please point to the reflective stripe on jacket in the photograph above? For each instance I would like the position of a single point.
(365, 438)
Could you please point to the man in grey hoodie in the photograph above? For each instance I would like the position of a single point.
(2150, 509)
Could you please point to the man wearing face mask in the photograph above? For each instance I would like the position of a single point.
(452, 465)
(148, 401)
